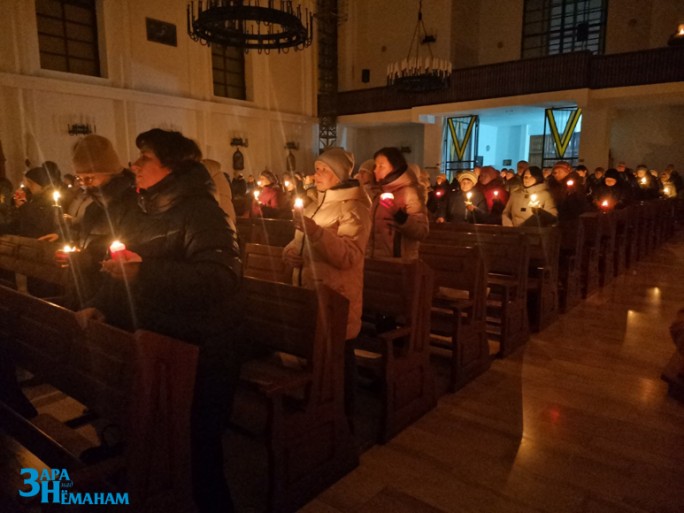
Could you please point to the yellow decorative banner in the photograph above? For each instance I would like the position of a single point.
(461, 145)
(561, 142)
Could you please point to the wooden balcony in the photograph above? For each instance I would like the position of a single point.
(553, 73)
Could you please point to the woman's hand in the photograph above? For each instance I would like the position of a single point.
(124, 265)
(292, 258)
(440, 220)
(308, 226)
(89, 314)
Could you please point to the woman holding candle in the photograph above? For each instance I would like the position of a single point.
(180, 275)
(611, 193)
(495, 192)
(330, 244)
(400, 222)
(271, 201)
(467, 205)
(532, 200)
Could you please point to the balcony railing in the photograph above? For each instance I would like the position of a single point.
(553, 73)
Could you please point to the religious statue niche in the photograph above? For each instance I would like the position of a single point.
(238, 160)
(291, 160)
(238, 157)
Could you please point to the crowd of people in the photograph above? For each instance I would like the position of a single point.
(176, 268)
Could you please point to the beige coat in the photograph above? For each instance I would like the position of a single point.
(518, 208)
(336, 257)
(391, 238)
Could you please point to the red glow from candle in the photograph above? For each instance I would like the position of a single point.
(116, 247)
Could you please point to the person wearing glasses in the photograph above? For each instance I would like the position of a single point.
(107, 191)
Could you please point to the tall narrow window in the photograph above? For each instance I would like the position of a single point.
(228, 67)
(553, 27)
(67, 36)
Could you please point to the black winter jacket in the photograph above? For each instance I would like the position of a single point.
(188, 286)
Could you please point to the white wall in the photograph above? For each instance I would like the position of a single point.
(147, 84)
(364, 142)
(652, 136)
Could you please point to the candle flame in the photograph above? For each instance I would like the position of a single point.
(643, 181)
(256, 195)
(116, 246)
(387, 196)
(533, 197)
(68, 249)
(287, 183)
(571, 183)
(496, 193)
(56, 195)
(469, 195)
(298, 203)
(605, 203)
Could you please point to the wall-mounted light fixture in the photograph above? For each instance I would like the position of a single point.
(80, 129)
(291, 145)
(677, 39)
(239, 141)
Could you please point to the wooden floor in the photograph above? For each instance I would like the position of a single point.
(578, 421)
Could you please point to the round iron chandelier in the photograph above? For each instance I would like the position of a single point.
(261, 25)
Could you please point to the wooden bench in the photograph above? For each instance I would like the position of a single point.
(542, 281)
(621, 217)
(30, 265)
(506, 258)
(398, 296)
(570, 264)
(143, 383)
(591, 251)
(607, 243)
(292, 392)
(272, 232)
(266, 263)
(457, 321)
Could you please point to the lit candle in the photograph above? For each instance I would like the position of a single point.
(68, 249)
(298, 203)
(55, 196)
(604, 204)
(256, 195)
(469, 195)
(387, 196)
(439, 193)
(287, 183)
(643, 181)
(496, 194)
(571, 183)
(666, 190)
(533, 200)
(116, 247)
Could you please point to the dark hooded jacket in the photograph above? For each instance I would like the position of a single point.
(188, 285)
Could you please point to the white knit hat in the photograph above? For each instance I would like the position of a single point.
(340, 161)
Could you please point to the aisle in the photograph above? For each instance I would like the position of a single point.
(576, 422)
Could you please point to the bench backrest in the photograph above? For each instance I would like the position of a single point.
(32, 257)
(309, 324)
(266, 263)
(272, 232)
(457, 268)
(403, 291)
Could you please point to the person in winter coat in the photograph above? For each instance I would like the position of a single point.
(180, 275)
(467, 205)
(271, 201)
(495, 192)
(399, 214)
(222, 190)
(36, 215)
(533, 199)
(567, 191)
(611, 193)
(330, 244)
(107, 193)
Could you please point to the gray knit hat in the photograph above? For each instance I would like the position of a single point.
(340, 161)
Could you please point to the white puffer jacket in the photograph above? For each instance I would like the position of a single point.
(336, 257)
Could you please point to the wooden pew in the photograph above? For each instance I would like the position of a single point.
(607, 243)
(398, 295)
(265, 263)
(621, 217)
(272, 232)
(457, 321)
(292, 393)
(633, 228)
(142, 383)
(542, 282)
(33, 264)
(506, 258)
(570, 265)
(591, 252)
